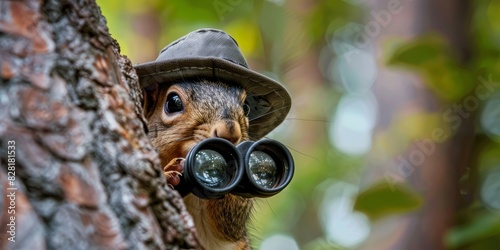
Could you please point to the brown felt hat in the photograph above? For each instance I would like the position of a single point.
(213, 54)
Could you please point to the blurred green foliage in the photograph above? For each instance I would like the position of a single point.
(431, 56)
(384, 198)
(484, 227)
(452, 81)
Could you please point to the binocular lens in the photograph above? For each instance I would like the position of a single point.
(215, 167)
(211, 168)
(263, 169)
(268, 168)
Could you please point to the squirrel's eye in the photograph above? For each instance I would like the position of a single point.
(173, 104)
(246, 108)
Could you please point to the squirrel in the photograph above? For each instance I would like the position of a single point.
(200, 86)
(183, 114)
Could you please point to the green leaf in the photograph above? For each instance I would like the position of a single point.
(430, 55)
(480, 228)
(384, 199)
(418, 52)
(450, 83)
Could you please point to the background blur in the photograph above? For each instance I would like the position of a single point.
(395, 123)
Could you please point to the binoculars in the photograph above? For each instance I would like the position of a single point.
(215, 167)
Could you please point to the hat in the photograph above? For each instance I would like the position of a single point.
(213, 54)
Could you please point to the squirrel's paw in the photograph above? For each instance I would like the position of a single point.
(173, 170)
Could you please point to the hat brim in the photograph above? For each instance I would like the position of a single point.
(268, 99)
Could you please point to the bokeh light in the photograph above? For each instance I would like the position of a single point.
(490, 189)
(490, 118)
(353, 123)
(279, 241)
(342, 225)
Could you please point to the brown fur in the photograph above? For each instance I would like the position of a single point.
(208, 105)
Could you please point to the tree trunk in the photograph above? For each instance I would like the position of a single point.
(437, 175)
(73, 134)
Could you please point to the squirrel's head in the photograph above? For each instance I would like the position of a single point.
(183, 114)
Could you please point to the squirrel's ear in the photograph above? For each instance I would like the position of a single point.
(150, 94)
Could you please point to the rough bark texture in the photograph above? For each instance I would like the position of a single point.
(86, 175)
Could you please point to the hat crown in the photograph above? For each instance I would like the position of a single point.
(204, 43)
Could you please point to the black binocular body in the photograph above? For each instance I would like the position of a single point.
(215, 167)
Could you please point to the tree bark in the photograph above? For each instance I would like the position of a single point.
(72, 132)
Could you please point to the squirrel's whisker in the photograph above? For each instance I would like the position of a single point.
(307, 120)
(295, 150)
(276, 110)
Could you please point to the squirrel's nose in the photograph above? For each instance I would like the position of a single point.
(227, 129)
